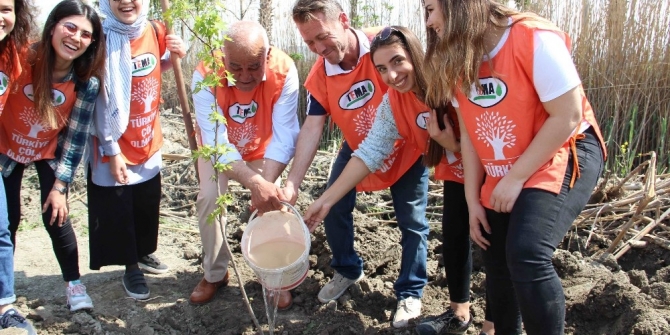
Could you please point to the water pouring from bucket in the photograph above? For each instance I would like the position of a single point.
(276, 246)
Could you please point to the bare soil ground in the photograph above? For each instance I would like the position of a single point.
(631, 296)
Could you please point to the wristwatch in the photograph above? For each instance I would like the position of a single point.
(62, 189)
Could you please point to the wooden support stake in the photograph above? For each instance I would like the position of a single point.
(181, 91)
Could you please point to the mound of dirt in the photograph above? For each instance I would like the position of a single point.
(631, 296)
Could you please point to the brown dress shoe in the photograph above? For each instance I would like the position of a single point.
(204, 292)
(285, 300)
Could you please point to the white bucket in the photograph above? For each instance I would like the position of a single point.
(276, 246)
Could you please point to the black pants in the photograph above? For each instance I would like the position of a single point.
(456, 245)
(521, 280)
(63, 239)
(122, 222)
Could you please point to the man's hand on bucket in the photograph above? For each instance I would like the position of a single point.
(266, 196)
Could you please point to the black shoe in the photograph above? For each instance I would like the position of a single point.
(13, 319)
(151, 263)
(445, 323)
(135, 284)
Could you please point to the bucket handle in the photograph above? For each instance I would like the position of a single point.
(295, 211)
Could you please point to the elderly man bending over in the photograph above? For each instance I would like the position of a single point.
(260, 107)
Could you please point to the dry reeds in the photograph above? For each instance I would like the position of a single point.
(629, 210)
(621, 52)
(620, 49)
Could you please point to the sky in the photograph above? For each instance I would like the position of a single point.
(44, 7)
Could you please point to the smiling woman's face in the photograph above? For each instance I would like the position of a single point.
(435, 18)
(126, 11)
(395, 67)
(71, 37)
(7, 18)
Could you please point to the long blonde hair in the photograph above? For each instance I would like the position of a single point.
(455, 57)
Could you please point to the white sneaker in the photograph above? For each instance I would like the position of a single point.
(336, 287)
(76, 296)
(408, 308)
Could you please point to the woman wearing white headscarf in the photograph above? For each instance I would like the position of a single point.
(124, 182)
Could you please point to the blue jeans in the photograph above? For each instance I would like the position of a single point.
(410, 195)
(520, 278)
(6, 253)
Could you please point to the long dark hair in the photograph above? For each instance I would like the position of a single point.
(18, 37)
(411, 44)
(90, 64)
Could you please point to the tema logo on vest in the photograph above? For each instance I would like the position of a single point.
(4, 82)
(490, 93)
(239, 112)
(359, 94)
(144, 64)
(421, 120)
(59, 97)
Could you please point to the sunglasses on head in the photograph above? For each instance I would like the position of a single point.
(385, 33)
(72, 29)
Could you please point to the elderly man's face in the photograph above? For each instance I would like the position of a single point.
(246, 66)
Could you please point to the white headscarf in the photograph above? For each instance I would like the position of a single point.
(118, 74)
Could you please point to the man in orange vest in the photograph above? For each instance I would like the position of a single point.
(260, 107)
(345, 85)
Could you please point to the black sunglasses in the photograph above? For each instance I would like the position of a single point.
(385, 34)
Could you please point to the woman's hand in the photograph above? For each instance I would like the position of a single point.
(445, 137)
(117, 167)
(477, 222)
(58, 203)
(315, 214)
(505, 194)
(175, 45)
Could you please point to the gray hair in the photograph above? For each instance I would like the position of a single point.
(246, 33)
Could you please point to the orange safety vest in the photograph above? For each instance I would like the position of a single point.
(503, 116)
(410, 116)
(249, 114)
(25, 137)
(143, 137)
(7, 79)
(351, 100)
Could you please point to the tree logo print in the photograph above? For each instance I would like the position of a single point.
(144, 64)
(244, 137)
(58, 96)
(363, 121)
(241, 112)
(32, 120)
(146, 92)
(4, 82)
(358, 95)
(497, 132)
(457, 170)
(489, 93)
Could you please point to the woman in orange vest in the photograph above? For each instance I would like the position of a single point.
(401, 115)
(15, 19)
(46, 122)
(124, 181)
(532, 150)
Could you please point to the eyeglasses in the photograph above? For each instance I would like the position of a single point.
(71, 29)
(122, 0)
(384, 34)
